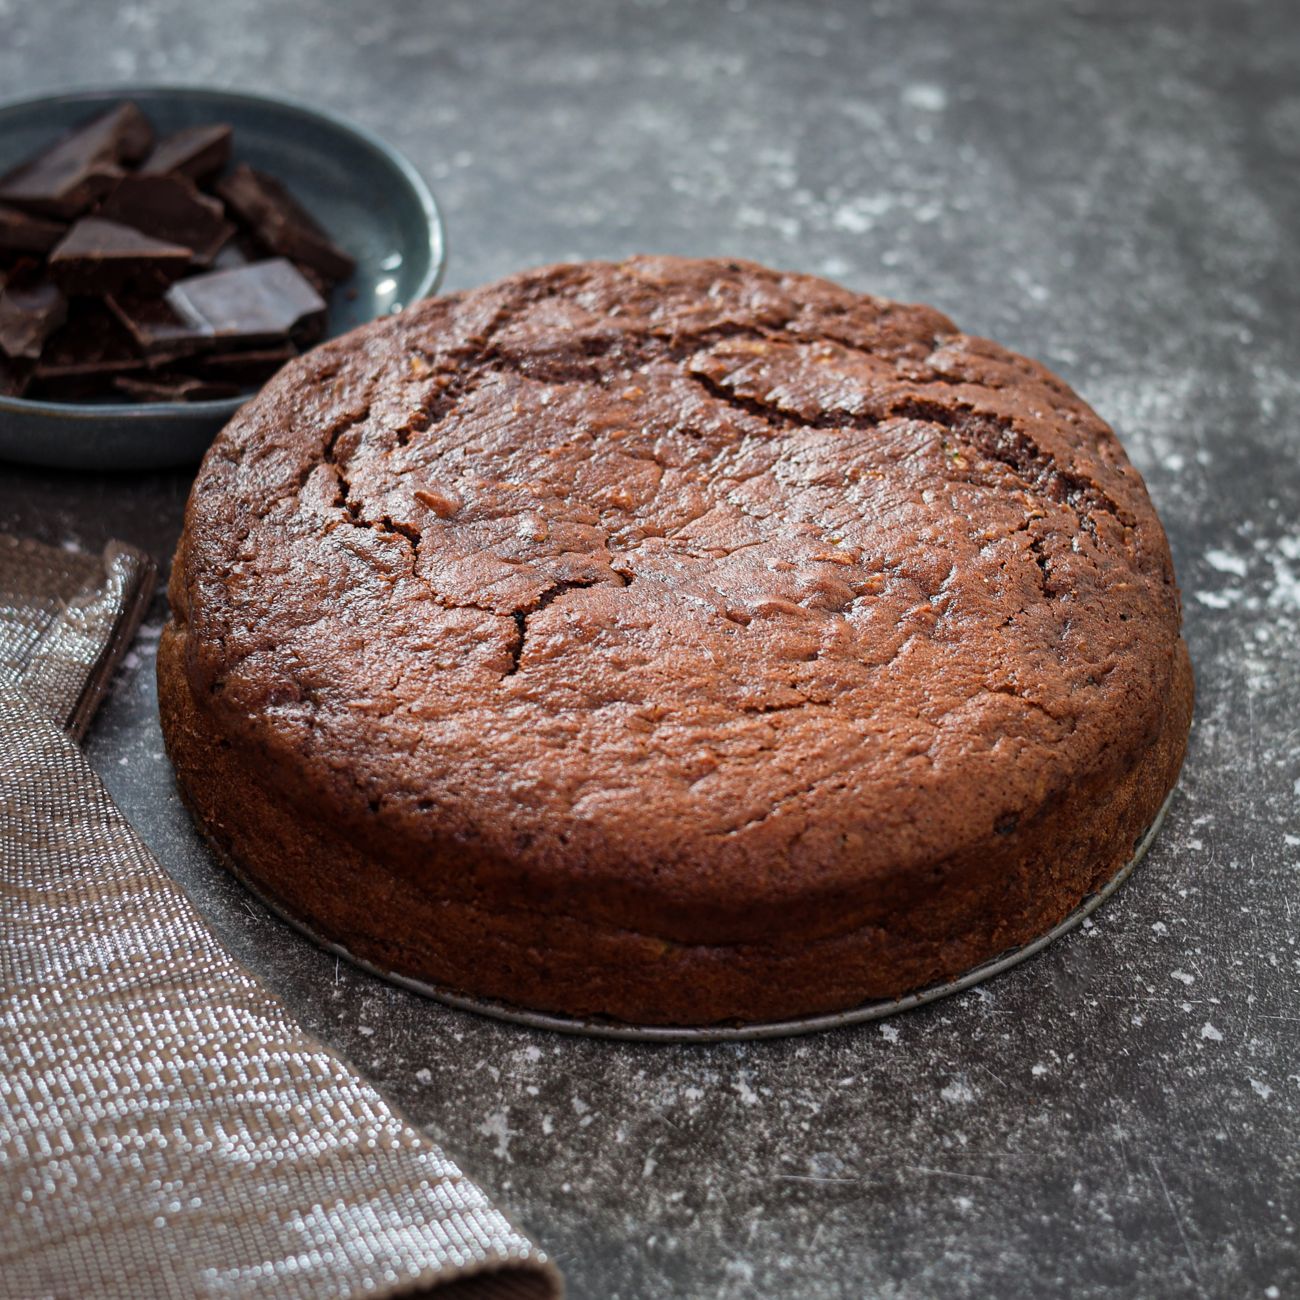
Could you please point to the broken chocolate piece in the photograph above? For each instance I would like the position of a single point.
(196, 152)
(234, 254)
(166, 386)
(100, 236)
(98, 257)
(92, 343)
(247, 369)
(20, 232)
(80, 167)
(158, 331)
(30, 311)
(14, 376)
(321, 283)
(262, 303)
(281, 223)
(169, 208)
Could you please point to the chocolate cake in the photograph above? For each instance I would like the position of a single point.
(674, 641)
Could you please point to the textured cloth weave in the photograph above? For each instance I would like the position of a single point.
(166, 1129)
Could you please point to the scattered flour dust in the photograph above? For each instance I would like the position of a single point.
(958, 1092)
(858, 215)
(497, 1125)
(925, 96)
(1286, 581)
(1226, 562)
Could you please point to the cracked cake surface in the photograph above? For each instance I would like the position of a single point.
(673, 640)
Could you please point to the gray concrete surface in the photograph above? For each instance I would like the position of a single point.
(1112, 187)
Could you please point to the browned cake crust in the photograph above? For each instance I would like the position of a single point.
(678, 641)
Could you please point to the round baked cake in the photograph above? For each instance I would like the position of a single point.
(674, 641)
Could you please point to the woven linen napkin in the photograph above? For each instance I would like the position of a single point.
(166, 1130)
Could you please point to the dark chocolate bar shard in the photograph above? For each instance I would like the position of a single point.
(79, 168)
(171, 209)
(20, 232)
(321, 283)
(14, 376)
(281, 223)
(196, 152)
(30, 311)
(248, 368)
(92, 343)
(266, 302)
(100, 257)
(167, 386)
(158, 331)
(101, 235)
(235, 254)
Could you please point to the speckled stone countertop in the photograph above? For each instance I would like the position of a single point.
(1111, 187)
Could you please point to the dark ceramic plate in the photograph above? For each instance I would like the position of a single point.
(370, 199)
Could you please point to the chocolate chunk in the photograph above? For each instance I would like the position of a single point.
(20, 232)
(312, 329)
(169, 208)
(98, 234)
(281, 223)
(321, 283)
(158, 331)
(168, 386)
(97, 257)
(246, 368)
(238, 252)
(14, 376)
(92, 343)
(262, 303)
(30, 311)
(80, 167)
(196, 152)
